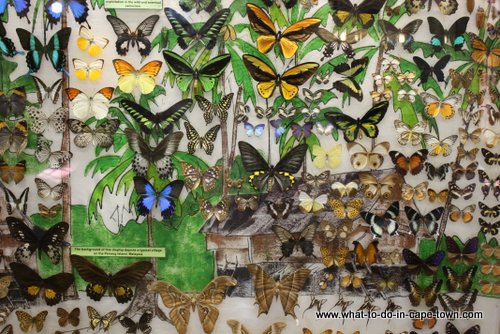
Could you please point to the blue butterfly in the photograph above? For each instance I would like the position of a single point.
(55, 8)
(21, 6)
(279, 129)
(149, 197)
(256, 130)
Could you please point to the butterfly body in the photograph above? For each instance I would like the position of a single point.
(88, 42)
(205, 142)
(133, 327)
(15, 203)
(101, 136)
(12, 173)
(27, 322)
(459, 282)
(430, 220)
(85, 106)
(428, 294)
(14, 140)
(100, 321)
(393, 35)
(44, 154)
(413, 164)
(463, 304)
(54, 10)
(149, 197)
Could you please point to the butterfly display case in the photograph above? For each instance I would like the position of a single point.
(256, 166)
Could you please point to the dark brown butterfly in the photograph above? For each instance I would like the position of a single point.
(467, 254)
(12, 173)
(118, 284)
(133, 327)
(429, 265)
(436, 172)
(291, 240)
(465, 193)
(487, 211)
(428, 294)
(279, 210)
(469, 172)
(65, 317)
(463, 304)
(457, 281)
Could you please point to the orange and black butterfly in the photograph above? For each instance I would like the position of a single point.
(427, 294)
(12, 173)
(485, 53)
(117, 284)
(269, 36)
(459, 281)
(366, 256)
(362, 14)
(32, 284)
(421, 323)
(413, 164)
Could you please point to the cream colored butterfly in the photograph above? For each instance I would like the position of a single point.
(144, 78)
(308, 203)
(362, 158)
(491, 138)
(408, 134)
(85, 70)
(88, 42)
(330, 158)
(437, 147)
(85, 106)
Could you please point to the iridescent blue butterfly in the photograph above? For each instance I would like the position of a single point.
(252, 130)
(149, 197)
(55, 8)
(279, 129)
(21, 6)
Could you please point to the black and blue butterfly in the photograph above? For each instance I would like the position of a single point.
(7, 47)
(53, 50)
(149, 197)
(454, 36)
(21, 6)
(54, 10)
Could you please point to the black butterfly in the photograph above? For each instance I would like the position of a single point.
(436, 172)
(467, 254)
(336, 42)
(196, 141)
(490, 158)
(427, 70)
(291, 240)
(428, 294)
(464, 304)
(118, 284)
(429, 265)
(459, 282)
(133, 327)
(44, 91)
(32, 284)
(386, 222)
(451, 329)
(430, 220)
(161, 122)
(287, 3)
(487, 211)
(489, 183)
(199, 5)
(49, 241)
(279, 210)
(14, 203)
(207, 34)
(263, 175)
(160, 156)
(465, 193)
(348, 84)
(12, 106)
(127, 37)
(453, 36)
(393, 35)
(362, 14)
(218, 109)
(489, 227)
(7, 47)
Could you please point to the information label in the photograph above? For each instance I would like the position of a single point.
(133, 4)
(120, 252)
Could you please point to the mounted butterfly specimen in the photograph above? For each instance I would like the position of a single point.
(37, 240)
(269, 36)
(362, 14)
(251, 203)
(489, 184)
(451, 329)
(198, 5)
(202, 78)
(14, 203)
(410, 134)
(454, 36)
(27, 321)
(32, 284)
(428, 266)
(143, 78)
(87, 41)
(72, 317)
(394, 35)
(354, 128)
(366, 256)
(418, 294)
(194, 177)
(51, 212)
(292, 240)
(159, 123)
(413, 164)
(47, 92)
(434, 172)
(100, 321)
(467, 254)
(118, 284)
(101, 135)
(186, 33)
(55, 9)
(13, 105)
(385, 222)
(427, 71)
(12, 173)
(437, 146)
(486, 53)
(279, 209)
(21, 7)
(182, 304)
(149, 197)
(196, 141)
(466, 214)
(7, 47)
(264, 175)
(457, 281)
(238, 328)
(84, 70)
(491, 228)
(85, 106)
(349, 84)
(53, 50)
(266, 288)
(417, 192)
(362, 158)
(429, 220)
(340, 42)
(372, 187)
(219, 109)
(268, 79)
(142, 325)
(54, 159)
(14, 140)
(490, 158)
(466, 192)
(44, 190)
(126, 37)
(41, 122)
(463, 304)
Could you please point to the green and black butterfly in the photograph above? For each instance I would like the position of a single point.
(196, 141)
(202, 78)
(207, 34)
(362, 14)
(198, 5)
(264, 175)
(348, 84)
(160, 122)
(218, 109)
(367, 124)
(54, 50)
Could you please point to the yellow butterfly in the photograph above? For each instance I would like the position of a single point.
(26, 321)
(88, 42)
(238, 328)
(330, 158)
(85, 70)
(437, 147)
(268, 79)
(350, 209)
(335, 257)
(144, 78)
(312, 204)
(4, 286)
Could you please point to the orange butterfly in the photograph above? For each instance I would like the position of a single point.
(413, 164)
(366, 256)
(487, 55)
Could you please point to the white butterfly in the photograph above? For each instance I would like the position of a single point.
(44, 91)
(324, 130)
(85, 106)
(41, 121)
(407, 134)
(437, 147)
(87, 41)
(381, 81)
(85, 70)
(312, 204)
(44, 190)
(407, 95)
(44, 154)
